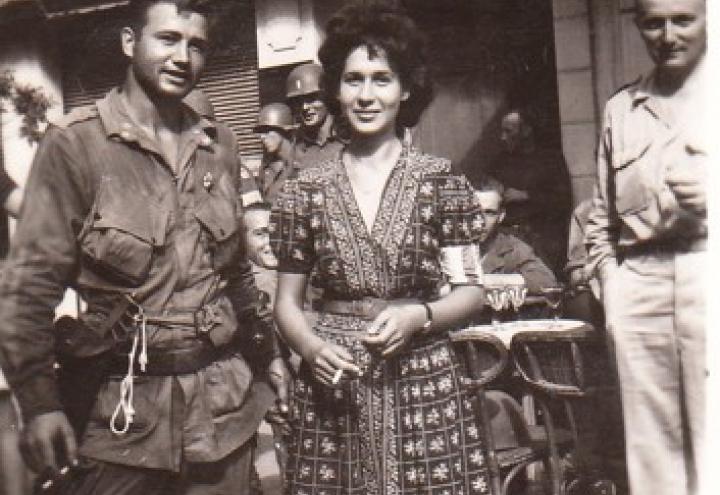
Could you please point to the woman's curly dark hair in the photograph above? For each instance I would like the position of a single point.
(382, 28)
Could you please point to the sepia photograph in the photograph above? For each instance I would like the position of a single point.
(356, 247)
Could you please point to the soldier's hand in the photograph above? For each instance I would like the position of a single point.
(688, 184)
(690, 193)
(281, 380)
(48, 442)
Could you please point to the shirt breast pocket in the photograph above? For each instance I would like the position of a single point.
(217, 213)
(120, 241)
(631, 184)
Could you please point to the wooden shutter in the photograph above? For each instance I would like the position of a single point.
(95, 66)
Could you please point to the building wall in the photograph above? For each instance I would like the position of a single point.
(597, 50)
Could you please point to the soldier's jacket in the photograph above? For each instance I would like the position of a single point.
(105, 215)
(327, 146)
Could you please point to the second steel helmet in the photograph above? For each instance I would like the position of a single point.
(304, 80)
(275, 115)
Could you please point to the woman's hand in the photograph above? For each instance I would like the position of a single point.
(394, 327)
(329, 362)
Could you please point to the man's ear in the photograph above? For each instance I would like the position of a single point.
(501, 216)
(405, 96)
(128, 39)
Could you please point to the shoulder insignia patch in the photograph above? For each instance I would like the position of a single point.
(78, 114)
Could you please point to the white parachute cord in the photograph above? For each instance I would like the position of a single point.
(143, 358)
(125, 404)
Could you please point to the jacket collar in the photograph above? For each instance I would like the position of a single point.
(118, 124)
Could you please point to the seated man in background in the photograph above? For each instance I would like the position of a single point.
(502, 252)
(537, 193)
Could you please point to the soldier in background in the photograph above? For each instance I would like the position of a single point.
(275, 127)
(317, 137)
(537, 189)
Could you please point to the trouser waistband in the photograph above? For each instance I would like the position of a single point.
(674, 246)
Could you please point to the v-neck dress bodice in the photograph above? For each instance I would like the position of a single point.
(424, 208)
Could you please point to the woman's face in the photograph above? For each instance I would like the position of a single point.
(370, 93)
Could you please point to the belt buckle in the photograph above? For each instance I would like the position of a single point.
(206, 318)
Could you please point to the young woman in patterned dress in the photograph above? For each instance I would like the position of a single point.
(378, 407)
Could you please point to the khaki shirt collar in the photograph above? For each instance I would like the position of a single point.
(644, 96)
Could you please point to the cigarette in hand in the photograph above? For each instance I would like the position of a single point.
(336, 377)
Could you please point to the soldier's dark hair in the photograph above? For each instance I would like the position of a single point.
(384, 29)
(138, 9)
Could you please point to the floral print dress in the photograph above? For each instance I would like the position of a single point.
(405, 427)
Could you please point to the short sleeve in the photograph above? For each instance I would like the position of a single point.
(290, 233)
(461, 222)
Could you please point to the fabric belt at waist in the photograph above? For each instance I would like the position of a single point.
(366, 308)
(195, 355)
(679, 245)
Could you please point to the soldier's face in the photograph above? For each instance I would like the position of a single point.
(257, 238)
(271, 140)
(674, 32)
(310, 109)
(492, 211)
(169, 53)
(511, 132)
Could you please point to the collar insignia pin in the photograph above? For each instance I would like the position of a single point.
(208, 181)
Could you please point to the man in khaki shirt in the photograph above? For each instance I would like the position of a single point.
(646, 236)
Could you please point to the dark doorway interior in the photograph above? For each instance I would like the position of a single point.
(486, 55)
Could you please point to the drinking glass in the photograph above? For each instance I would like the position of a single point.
(553, 298)
(497, 298)
(517, 295)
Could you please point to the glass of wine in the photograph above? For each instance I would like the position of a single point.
(497, 299)
(517, 298)
(553, 297)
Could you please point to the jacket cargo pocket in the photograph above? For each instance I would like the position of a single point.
(146, 392)
(120, 241)
(227, 383)
(631, 186)
(217, 213)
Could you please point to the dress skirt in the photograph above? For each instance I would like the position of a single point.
(405, 427)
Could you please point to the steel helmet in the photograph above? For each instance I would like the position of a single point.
(304, 80)
(275, 115)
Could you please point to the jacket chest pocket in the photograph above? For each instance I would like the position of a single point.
(119, 239)
(630, 179)
(217, 213)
